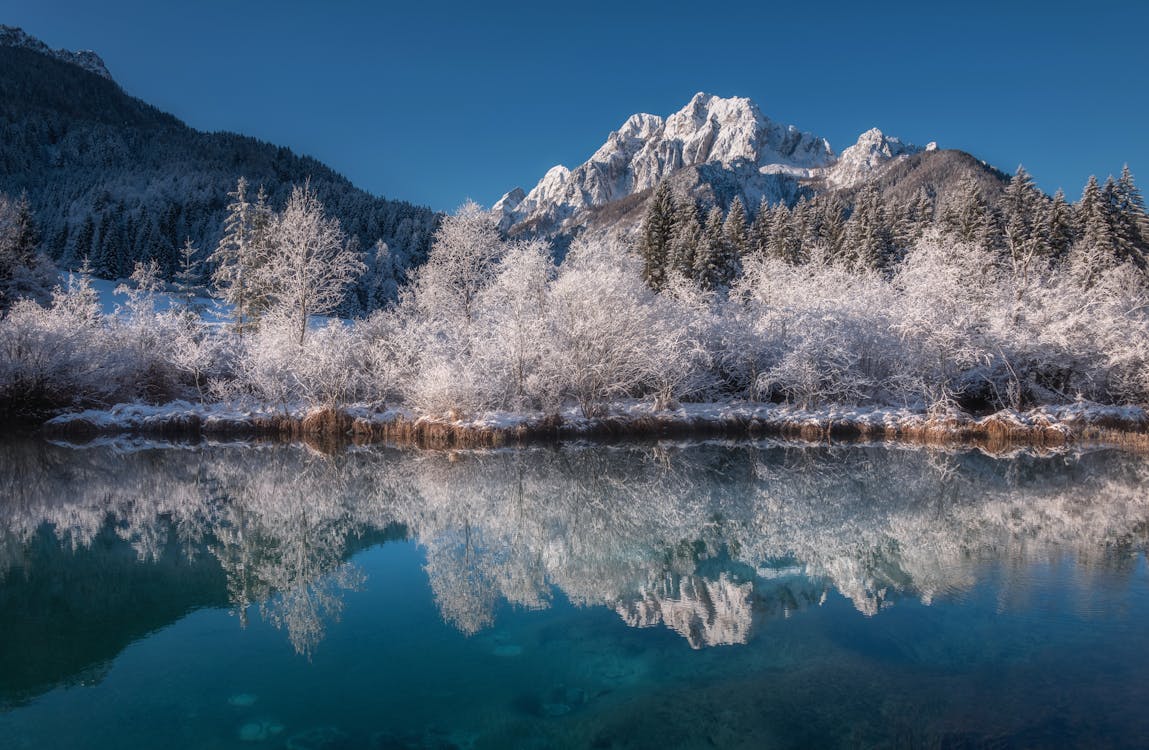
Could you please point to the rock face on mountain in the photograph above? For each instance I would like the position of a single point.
(11, 36)
(713, 149)
(730, 138)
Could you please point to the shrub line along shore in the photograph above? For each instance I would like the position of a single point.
(1045, 427)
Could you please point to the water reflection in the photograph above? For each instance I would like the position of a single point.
(708, 540)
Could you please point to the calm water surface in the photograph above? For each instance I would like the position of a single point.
(713, 595)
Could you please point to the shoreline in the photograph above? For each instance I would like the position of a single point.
(1047, 427)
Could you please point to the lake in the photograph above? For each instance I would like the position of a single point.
(698, 595)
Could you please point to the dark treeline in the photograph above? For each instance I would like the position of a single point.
(1025, 227)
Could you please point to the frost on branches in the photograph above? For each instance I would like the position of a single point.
(947, 304)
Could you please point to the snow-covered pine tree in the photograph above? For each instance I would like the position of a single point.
(803, 229)
(234, 258)
(736, 235)
(686, 238)
(759, 236)
(657, 231)
(188, 276)
(784, 243)
(1128, 216)
(968, 216)
(1057, 226)
(1025, 241)
(869, 242)
(1095, 248)
(920, 215)
(831, 232)
(709, 257)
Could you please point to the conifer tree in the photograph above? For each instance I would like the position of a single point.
(1025, 240)
(869, 238)
(832, 226)
(686, 238)
(759, 235)
(711, 253)
(1094, 250)
(188, 275)
(968, 216)
(657, 231)
(735, 231)
(1057, 226)
(234, 258)
(784, 243)
(1128, 218)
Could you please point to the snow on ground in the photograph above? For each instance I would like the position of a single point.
(213, 311)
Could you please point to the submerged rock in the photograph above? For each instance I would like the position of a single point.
(242, 700)
(260, 730)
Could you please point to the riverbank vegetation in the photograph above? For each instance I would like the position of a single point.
(960, 308)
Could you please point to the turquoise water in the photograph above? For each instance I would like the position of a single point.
(725, 595)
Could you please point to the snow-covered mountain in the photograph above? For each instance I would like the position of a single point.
(713, 146)
(11, 36)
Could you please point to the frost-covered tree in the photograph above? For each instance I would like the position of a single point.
(309, 261)
(463, 258)
(735, 232)
(238, 258)
(514, 309)
(187, 277)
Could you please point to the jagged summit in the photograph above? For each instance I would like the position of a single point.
(13, 36)
(713, 146)
(872, 150)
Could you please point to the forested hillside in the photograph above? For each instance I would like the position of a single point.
(113, 179)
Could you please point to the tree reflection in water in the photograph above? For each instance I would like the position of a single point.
(707, 539)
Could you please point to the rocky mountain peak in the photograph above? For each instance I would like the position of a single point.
(12, 36)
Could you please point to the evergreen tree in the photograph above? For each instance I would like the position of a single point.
(869, 238)
(25, 234)
(759, 236)
(784, 243)
(1128, 218)
(188, 276)
(711, 255)
(832, 225)
(1094, 250)
(235, 258)
(1025, 240)
(968, 216)
(1057, 226)
(735, 231)
(686, 239)
(657, 231)
(920, 214)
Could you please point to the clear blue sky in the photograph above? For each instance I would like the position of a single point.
(436, 102)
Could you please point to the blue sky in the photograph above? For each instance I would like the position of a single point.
(437, 102)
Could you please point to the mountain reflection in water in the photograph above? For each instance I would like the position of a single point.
(708, 540)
